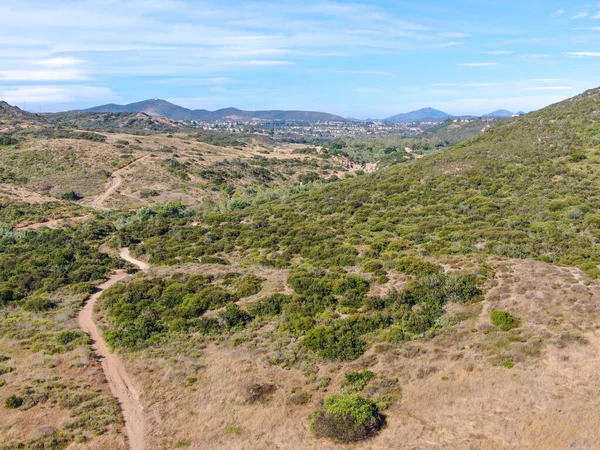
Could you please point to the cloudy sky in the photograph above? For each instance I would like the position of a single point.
(360, 59)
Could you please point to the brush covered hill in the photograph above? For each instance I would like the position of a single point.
(133, 123)
(525, 189)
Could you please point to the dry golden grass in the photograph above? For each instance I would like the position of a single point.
(456, 394)
(75, 368)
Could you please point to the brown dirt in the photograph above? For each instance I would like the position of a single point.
(116, 374)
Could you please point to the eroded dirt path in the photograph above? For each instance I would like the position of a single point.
(116, 374)
(115, 182)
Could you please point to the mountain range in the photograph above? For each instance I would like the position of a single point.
(162, 108)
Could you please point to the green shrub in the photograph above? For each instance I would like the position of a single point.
(13, 402)
(347, 418)
(6, 369)
(38, 303)
(504, 320)
(215, 260)
(68, 336)
(336, 343)
(233, 317)
(356, 381)
(248, 285)
(269, 306)
(71, 195)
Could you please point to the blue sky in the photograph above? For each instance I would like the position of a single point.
(358, 59)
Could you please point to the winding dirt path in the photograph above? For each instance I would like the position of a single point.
(115, 182)
(118, 379)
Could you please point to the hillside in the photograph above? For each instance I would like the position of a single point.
(273, 309)
(163, 108)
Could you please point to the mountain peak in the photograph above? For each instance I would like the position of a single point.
(423, 114)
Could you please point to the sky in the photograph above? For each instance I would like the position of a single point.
(353, 58)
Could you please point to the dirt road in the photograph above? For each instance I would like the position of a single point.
(118, 379)
(115, 182)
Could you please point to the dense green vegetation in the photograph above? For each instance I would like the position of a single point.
(34, 264)
(144, 311)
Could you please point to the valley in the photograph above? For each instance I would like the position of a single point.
(175, 288)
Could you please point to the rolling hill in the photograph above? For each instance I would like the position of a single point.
(166, 109)
(501, 113)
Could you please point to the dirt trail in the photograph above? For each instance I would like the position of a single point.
(126, 255)
(115, 182)
(118, 379)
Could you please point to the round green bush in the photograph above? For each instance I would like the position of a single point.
(347, 418)
(13, 402)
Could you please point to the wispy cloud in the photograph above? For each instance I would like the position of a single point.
(584, 54)
(580, 15)
(478, 64)
(267, 63)
(42, 75)
(55, 94)
(589, 28)
(560, 12)
(500, 52)
(60, 62)
(548, 88)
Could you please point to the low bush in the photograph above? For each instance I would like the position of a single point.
(504, 320)
(13, 402)
(347, 418)
(259, 393)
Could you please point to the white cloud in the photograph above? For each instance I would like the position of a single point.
(560, 12)
(589, 28)
(584, 54)
(60, 62)
(580, 15)
(500, 52)
(479, 64)
(597, 16)
(42, 75)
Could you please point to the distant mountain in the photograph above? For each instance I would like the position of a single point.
(420, 115)
(499, 113)
(162, 108)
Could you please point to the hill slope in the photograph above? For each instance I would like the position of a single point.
(526, 188)
(163, 108)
